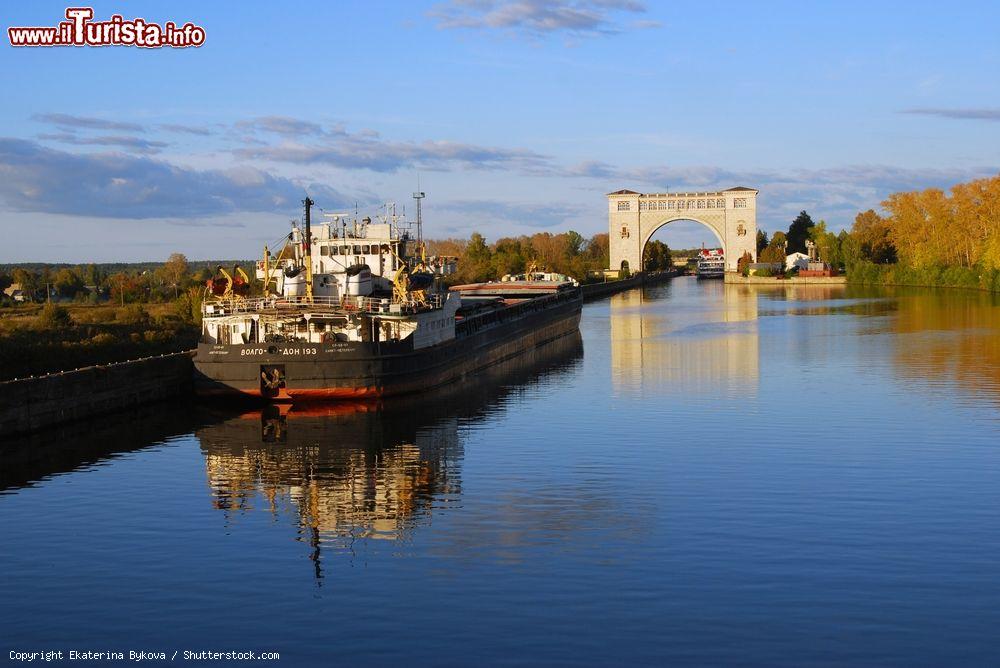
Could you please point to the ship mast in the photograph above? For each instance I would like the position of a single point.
(307, 247)
(420, 221)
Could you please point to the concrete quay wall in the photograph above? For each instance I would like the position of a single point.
(30, 404)
(597, 290)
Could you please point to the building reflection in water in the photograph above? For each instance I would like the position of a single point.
(356, 472)
(685, 336)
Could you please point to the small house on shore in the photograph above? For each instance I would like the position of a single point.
(16, 292)
(800, 260)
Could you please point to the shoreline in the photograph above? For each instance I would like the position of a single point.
(736, 279)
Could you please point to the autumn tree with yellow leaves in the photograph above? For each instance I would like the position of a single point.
(960, 229)
(932, 237)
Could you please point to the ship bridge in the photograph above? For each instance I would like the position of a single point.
(634, 217)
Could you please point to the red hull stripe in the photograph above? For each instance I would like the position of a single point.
(300, 393)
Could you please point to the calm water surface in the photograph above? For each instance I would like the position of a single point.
(712, 475)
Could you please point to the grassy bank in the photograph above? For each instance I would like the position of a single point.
(37, 339)
(867, 273)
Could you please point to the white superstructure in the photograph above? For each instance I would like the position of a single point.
(711, 263)
(337, 281)
(349, 258)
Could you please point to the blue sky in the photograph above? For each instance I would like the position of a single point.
(517, 116)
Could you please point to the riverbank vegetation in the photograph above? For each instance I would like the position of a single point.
(57, 317)
(45, 338)
(566, 253)
(931, 238)
(927, 238)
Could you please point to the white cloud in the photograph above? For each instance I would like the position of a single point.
(981, 114)
(87, 122)
(536, 18)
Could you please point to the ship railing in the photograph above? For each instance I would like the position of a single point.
(373, 305)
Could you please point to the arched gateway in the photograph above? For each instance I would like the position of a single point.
(634, 217)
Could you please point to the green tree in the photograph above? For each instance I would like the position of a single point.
(849, 251)
(476, 263)
(598, 250)
(26, 279)
(53, 316)
(775, 251)
(67, 282)
(187, 306)
(761, 241)
(92, 275)
(827, 244)
(798, 232)
(477, 250)
(174, 271)
(656, 256)
(509, 256)
(574, 243)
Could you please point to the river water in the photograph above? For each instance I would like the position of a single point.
(712, 474)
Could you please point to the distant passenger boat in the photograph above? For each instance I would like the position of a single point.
(711, 263)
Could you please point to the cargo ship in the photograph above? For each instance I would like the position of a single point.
(351, 309)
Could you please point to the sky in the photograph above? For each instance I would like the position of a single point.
(516, 117)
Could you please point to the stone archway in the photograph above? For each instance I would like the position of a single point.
(634, 217)
(654, 228)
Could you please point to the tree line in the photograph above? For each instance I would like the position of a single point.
(570, 253)
(146, 282)
(175, 280)
(566, 253)
(925, 237)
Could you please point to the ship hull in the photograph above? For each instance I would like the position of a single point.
(364, 370)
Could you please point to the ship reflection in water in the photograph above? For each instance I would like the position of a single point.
(339, 476)
(345, 474)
